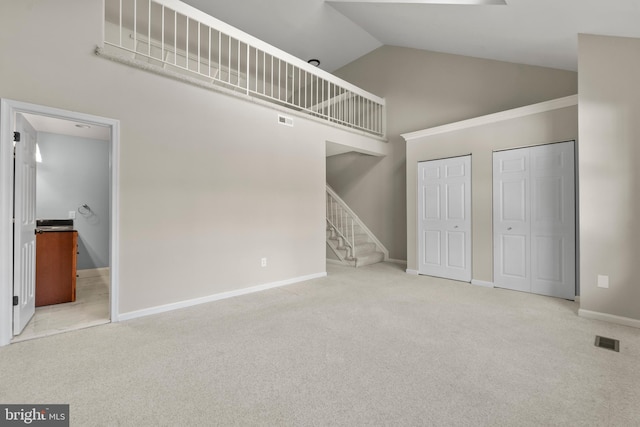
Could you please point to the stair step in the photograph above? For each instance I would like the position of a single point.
(361, 238)
(340, 252)
(371, 258)
(366, 248)
(366, 251)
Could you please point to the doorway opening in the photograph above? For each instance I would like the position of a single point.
(75, 183)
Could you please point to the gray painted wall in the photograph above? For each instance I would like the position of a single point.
(609, 117)
(209, 183)
(75, 171)
(422, 90)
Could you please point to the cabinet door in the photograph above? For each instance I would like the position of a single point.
(55, 267)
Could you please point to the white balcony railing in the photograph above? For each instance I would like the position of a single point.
(181, 39)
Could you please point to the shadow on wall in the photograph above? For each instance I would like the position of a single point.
(89, 256)
(346, 171)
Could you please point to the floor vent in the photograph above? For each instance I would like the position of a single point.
(608, 343)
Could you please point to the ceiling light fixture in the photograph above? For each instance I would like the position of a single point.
(314, 62)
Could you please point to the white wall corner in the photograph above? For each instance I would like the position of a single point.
(482, 283)
(611, 318)
(412, 272)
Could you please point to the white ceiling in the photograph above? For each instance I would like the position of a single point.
(536, 32)
(68, 127)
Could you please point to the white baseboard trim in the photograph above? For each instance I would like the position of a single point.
(93, 272)
(412, 272)
(397, 261)
(482, 283)
(626, 321)
(215, 297)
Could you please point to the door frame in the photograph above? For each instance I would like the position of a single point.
(8, 110)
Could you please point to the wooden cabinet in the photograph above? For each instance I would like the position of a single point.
(56, 267)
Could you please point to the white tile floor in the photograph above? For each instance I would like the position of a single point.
(90, 308)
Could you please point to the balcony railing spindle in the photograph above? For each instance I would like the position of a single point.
(300, 86)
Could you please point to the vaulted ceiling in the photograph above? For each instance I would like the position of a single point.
(535, 32)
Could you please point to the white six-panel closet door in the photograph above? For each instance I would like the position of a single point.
(444, 215)
(534, 219)
(511, 220)
(553, 228)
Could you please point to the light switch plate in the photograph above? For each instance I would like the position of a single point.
(72, 214)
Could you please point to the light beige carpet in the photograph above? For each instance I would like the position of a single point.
(367, 346)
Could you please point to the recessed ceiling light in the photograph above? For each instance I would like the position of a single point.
(83, 126)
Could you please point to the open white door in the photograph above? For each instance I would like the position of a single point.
(444, 214)
(24, 264)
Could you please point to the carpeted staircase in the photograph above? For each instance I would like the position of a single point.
(348, 238)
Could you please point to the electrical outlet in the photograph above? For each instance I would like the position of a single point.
(603, 281)
(263, 262)
(72, 214)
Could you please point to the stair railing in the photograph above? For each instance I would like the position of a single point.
(341, 225)
(344, 221)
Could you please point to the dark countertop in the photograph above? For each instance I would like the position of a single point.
(47, 225)
(56, 228)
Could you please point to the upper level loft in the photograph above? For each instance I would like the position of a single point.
(171, 37)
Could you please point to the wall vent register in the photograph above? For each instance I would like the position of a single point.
(284, 120)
